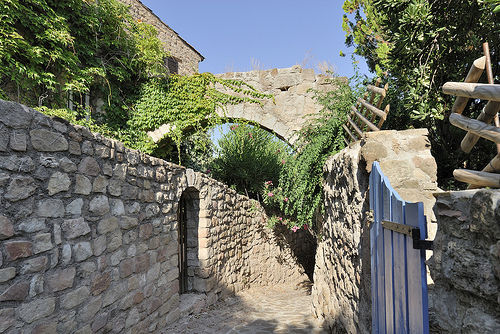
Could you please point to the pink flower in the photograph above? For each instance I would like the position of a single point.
(286, 199)
(280, 219)
(270, 194)
(305, 227)
(250, 135)
(283, 161)
(295, 228)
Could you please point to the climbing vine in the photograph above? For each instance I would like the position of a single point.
(299, 194)
(51, 48)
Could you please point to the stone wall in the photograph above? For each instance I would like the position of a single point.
(342, 289)
(466, 263)
(187, 57)
(89, 233)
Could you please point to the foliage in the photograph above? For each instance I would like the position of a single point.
(247, 157)
(421, 45)
(300, 192)
(48, 47)
(187, 103)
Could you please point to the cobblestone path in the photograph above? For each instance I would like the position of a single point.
(276, 309)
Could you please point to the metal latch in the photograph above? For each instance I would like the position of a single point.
(413, 232)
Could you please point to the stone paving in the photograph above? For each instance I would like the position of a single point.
(276, 309)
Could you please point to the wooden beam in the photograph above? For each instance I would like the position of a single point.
(476, 127)
(373, 109)
(473, 90)
(372, 126)
(350, 133)
(474, 74)
(355, 127)
(488, 114)
(377, 90)
(476, 178)
(386, 110)
(492, 167)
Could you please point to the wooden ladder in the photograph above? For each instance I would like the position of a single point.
(489, 176)
(364, 115)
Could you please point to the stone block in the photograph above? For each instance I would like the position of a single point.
(15, 292)
(74, 298)
(100, 245)
(99, 321)
(74, 228)
(82, 251)
(141, 263)
(127, 223)
(100, 283)
(34, 265)
(7, 319)
(107, 225)
(51, 208)
(33, 225)
(145, 231)
(45, 328)
(18, 164)
(36, 285)
(18, 141)
(47, 141)
(61, 280)
(89, 309)
(114, 187)
(58, 182)
(114, 241)
(127, 267)
(42, 243)
(66, 254)
(89, 166)
(83, 185)
(100, 184)
(6, 228)
(114, 293)
(99, 205)
(21, 187)
(38, 309)
(7, 274)
(18, 249)
(67, 165)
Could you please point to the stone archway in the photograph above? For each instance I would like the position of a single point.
(293, 100)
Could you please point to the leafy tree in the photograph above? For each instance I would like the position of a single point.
(421, 45)
(247, 157)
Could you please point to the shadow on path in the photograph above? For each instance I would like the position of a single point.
(260, 310)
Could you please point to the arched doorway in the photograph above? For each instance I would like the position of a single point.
(188, 219)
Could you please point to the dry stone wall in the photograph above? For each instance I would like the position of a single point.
(465, 267)
(342, 289)
(89, 233)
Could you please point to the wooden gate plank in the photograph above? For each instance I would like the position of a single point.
(416, 273)
(378, 312)
(388, 192)
(400, 277)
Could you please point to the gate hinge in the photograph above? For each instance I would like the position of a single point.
(420, 244)
(413, 232)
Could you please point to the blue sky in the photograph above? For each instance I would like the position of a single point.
(274, 33)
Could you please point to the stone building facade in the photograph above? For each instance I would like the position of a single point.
(89, 233)
(184, 59)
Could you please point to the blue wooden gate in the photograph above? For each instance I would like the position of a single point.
(398, 275)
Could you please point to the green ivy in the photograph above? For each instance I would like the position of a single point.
(300, 191)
